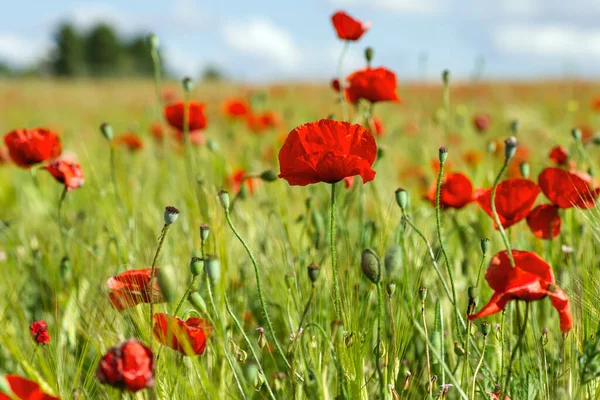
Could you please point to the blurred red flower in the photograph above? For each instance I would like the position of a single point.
(132, 287)
(129, 366)
(236, 179)
(377, 126)
(514, 199)
(67, 172)
(544, 221)
(595, 104)
(530, 279)
(234, 108)
(456, 191)
(130, 140)
(28, 147)
(472, 158)
(39, 331)
(481, 122)
(188, 337)
(372, 84)
(25, 389)
(259, 123)
(559, 155)
(197, 137)
(349, 182)
(335, 85)
(348, 28)
(566, 189)
(156, 130)
(327, 151)
(174, 113)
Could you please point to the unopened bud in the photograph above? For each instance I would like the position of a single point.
(187, 84)
(107, 131)
(196, 266)
(524, 169)
(224, 199)
(576, 133)
(491, 146)
(445, 76)
(485, 245)
(422, 293)
(171, 215)
(369, 55)
(510, 147)
(486, 328)
(262, 340)
(401, 198)
(204, 232)
(313, 272)
(269, 175)
(514, 127)
(390, 288)
(212, 267)
(370, 265)
(443, 154)
(167, 284)
(198, 302)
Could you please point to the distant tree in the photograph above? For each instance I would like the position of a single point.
(5, 69)
(103, 51)
(139, 60)
(212, 73)
(68, 58)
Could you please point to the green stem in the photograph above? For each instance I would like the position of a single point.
(495, 212)
(161, 240)
(392, 343)
(113, 174)
(336, 285)
(427, 357)
(63, 196)
(443, 249)
(517, 348)
(258, 288)
(342, 93)
(479, 364)
(382, 385)
(186, 294)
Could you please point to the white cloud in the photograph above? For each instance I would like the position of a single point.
(548, 40)
(184, 62)
(20, 51)
(400, 6)
(260, 38)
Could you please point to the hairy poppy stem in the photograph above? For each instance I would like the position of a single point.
(495, 212)
(342, 93)
(161, 240)
(478, 367)
(378, 348)
(438, 221)
(63, 196)
(336, 285)
(258, 288)
(517, 348)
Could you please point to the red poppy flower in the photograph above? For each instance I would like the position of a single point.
(25, 389)
(129, 366)
(544, 221)
(236, 108)
(567, 189)
(197, 138)
(28, 147)
(496, 395)
(482, 122)
(259, 123)
(377, 126)
(130, 140)
(156, 130)
(236, 179)
(587, 132)
(514, 199)
(374, 85)
(175, 114)
(559, 155)
(67, 172)
(132, 287)
(39, 331)
(327, 151)
(456, 191)
(530, 279)
(335, 85)
(188, 337)
(595, 104)
(348, 28)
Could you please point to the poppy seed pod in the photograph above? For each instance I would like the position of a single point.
(485, 328)
(187, 84)
(167, 284)
(204, 232)
(153, 41)
(171, 214)
(524, 169)
(514, 126)
(576, 134)
(196, 265)
(198, 302)
(107, 131)
(224, 199)
(370, 265)
(485, 245)
(443, 154)
(446, 76)
(401, 198)
(212, 267)
(313, 272)
(369, 52)
(269, 175)
(422, 293)
(390, 288)
(510, 147)
(491, 146)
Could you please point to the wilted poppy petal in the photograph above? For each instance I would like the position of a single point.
(68, 173)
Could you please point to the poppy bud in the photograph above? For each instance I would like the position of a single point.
(524, 169)
(153, 41)
(576, 133)
(167, 284)
(262, 340)
(369, 55)
(224, 199)
(514, 126)
(269, 175)
(370, 265)
(187, 84)
(485, 245)
(390, 288)
(401, 198)
(486, 328)
(204, 232)
(422, 293)
(443, 154)
(380, 153)
(446, 76)
(212, 267)
(107, 131)
(510, 147)
(212, 145)
(196, 265)
(491, 146)
(171, 214)
(243, 192)
(313, 272)
(393, 260)
(198, 302)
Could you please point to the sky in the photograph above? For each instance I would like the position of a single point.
(277, 40)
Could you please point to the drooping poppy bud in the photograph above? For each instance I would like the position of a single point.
(262, 340)
(198, 302)
(187, 84)
(269, 175)
(486, 328)
(369, 55)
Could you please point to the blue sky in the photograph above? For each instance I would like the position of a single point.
(262, 40)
